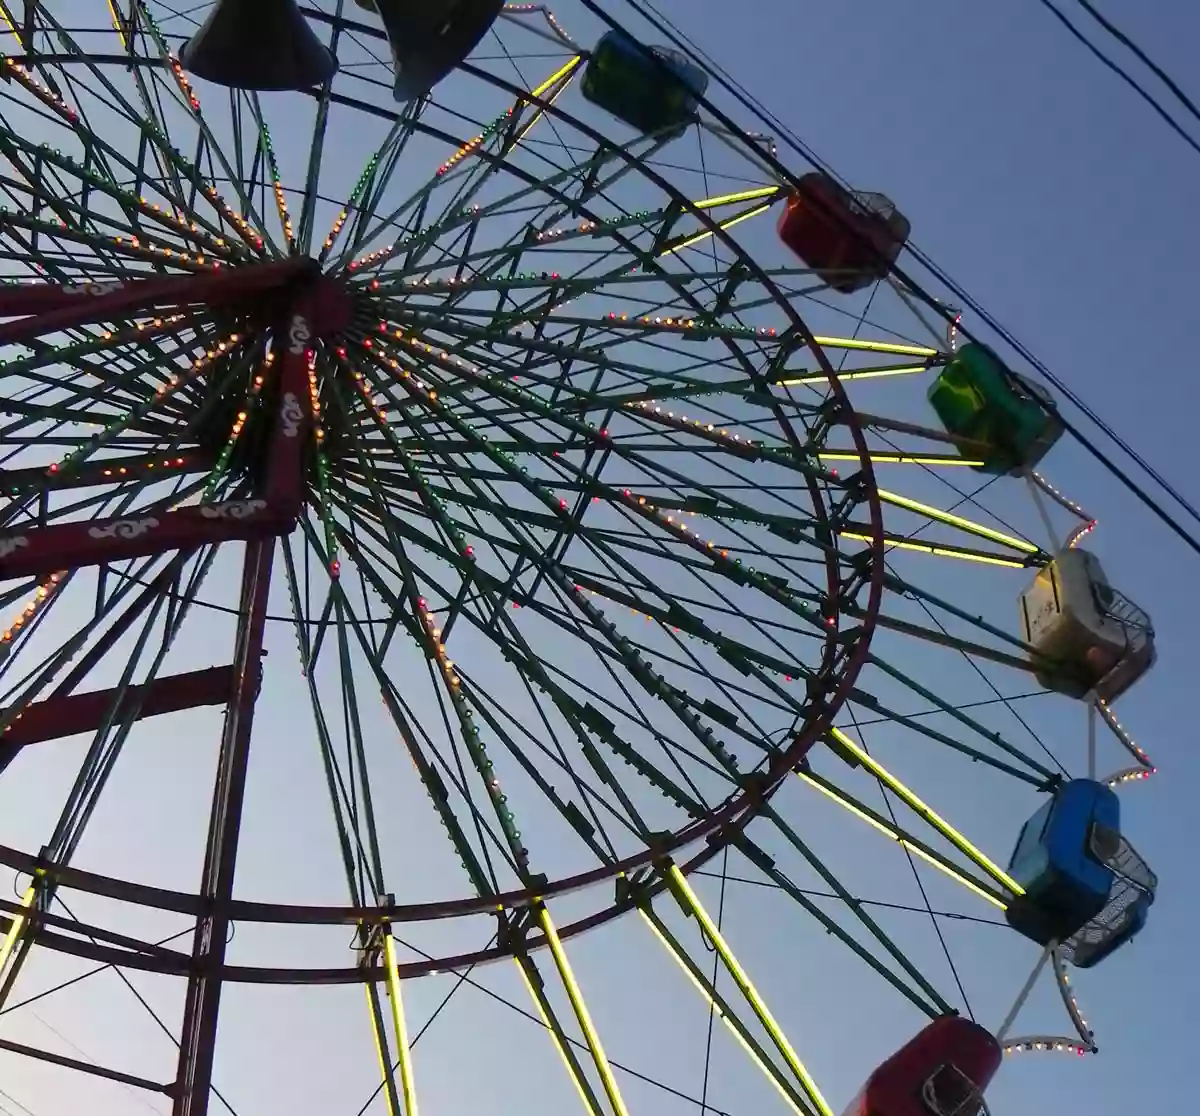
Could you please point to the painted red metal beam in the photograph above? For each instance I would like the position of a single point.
(57, 716)
(83, 667)
(193, 1083)
(53, 307)
(69, 546)
(285, 469)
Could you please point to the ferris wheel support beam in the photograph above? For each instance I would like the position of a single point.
(68, 715)
(42, 308)
(74, 545)
(284, 491)
(44, 550)
(193, 1082)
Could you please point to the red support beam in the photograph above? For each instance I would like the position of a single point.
(193, 1082)
(53, 307)
(69, 546)
(285, 470)
(61, 716)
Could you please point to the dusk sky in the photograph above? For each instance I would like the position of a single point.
(1037, 180)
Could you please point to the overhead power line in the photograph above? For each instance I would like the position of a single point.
(1133, 84)
(1141, 56)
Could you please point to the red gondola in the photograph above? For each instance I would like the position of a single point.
(941, 1072)
(849, 239)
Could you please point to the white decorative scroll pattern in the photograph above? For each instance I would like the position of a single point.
(298, 335)
(124, 528)
(12, 543)
(233, 509)
(291, 414)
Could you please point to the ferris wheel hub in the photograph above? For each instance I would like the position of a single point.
(311, 308)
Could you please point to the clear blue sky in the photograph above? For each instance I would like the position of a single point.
(1065, 207)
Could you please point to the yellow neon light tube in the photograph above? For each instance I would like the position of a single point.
(17, 927)
(116, 22)
(558, 1045)
(894, 835)
(940, 824)
(381, 1051)
(549, 83)
(575, 995)
(749, 991)
(938, 551)
(875, 346)
(557, 75)
(740, 196)
(957, 521)
(12, 26)
(407, 1084)
(900, 459)
(723, 225)
(540, 113)
(870, 374)
(713, 1005)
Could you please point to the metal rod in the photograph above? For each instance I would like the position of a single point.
(1091, 735)
(1043, 512)
(197, 1048)
(1023, 995)
(52, 308)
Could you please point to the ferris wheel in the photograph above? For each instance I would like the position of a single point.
(464, 489)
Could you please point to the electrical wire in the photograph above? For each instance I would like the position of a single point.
(1133, 84)
(765, 116)
(1141, 56)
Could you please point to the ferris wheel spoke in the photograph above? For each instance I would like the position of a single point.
(453, 210)
(1037, 778)
(379, 177)
(683, 892)
(148, 91)
(151, 120)
(934, 1004)
(595, 1047)
(250, 221)
(128, 700)
(534, 672)
(909, 842)
(722, 1009)
(455, 711)
(370, 180)
(535, 984)
(41, 673)
(417, 743)
(964, 846)
(592, 828)
(545, 683)
(380, 948)
(548, 183)
(112, 714)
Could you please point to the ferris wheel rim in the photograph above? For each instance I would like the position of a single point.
(721, 825)
(726, 817)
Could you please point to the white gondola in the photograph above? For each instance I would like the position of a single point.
(1086, 636)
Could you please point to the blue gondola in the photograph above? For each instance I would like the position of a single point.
(1086, 889)
(652, 89)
